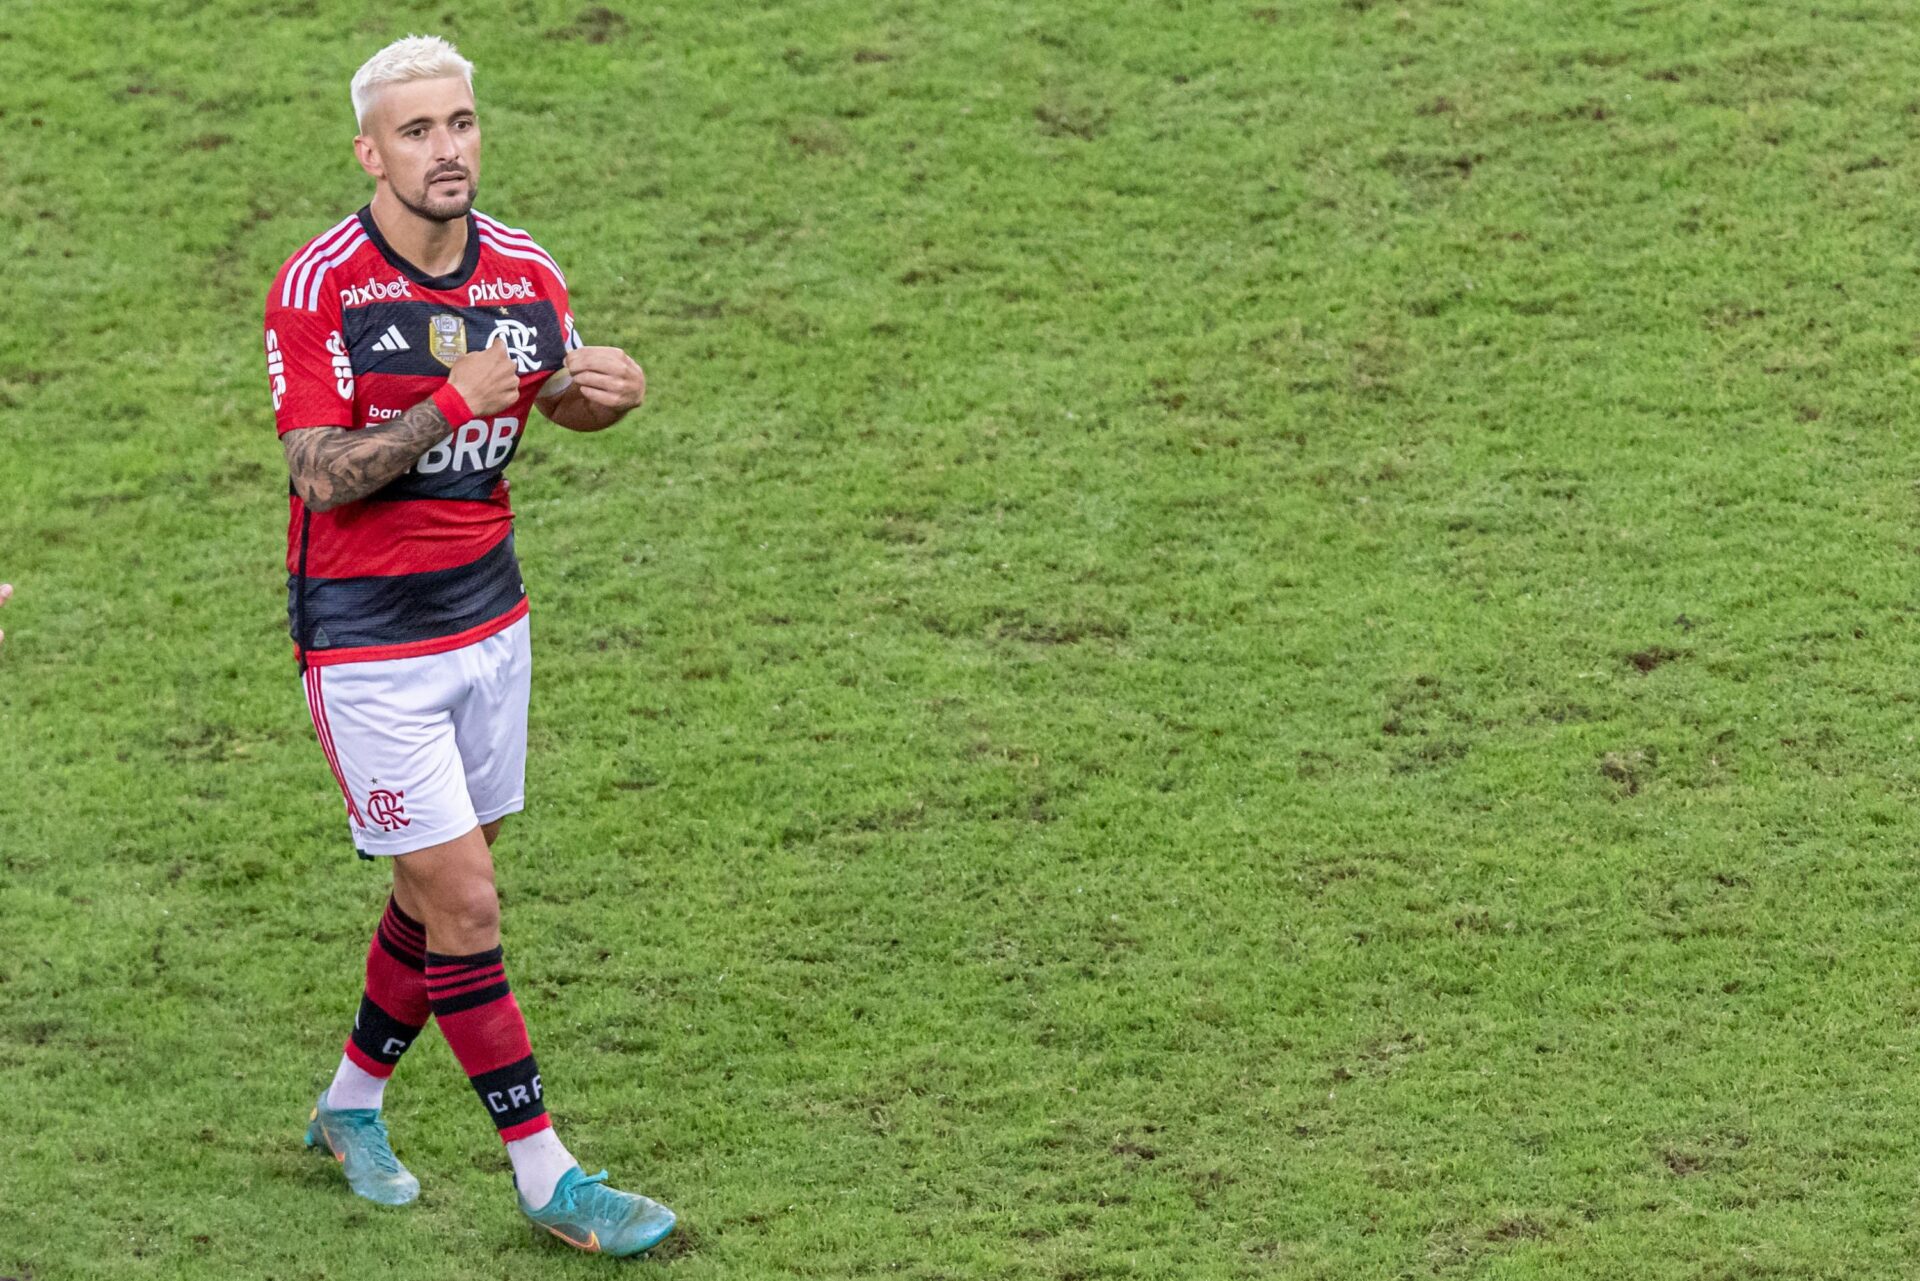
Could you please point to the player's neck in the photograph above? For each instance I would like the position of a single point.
(435, 248)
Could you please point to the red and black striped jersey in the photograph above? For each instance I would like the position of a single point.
(356, 336)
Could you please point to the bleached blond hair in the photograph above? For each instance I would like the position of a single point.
(415, 58)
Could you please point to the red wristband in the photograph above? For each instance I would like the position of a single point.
(452, 406)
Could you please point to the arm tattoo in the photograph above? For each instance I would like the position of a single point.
(332, 466)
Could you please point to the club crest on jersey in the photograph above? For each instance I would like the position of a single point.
(520, 341)
(447, 338)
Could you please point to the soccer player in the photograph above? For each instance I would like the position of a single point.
(406, 346)
(6, 594)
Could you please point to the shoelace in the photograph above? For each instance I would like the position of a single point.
(610, 1201)
(383, 1158)
(585, 1179)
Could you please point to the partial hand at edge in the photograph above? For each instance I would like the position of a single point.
(607, 377)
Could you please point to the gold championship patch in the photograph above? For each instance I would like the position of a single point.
(447, 338)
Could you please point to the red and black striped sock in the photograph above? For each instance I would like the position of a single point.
(485, 1031)
(394, 1006)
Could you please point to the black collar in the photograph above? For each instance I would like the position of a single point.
(452, 280)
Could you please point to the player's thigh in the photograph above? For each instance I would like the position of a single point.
(387, 732)
(490, 722)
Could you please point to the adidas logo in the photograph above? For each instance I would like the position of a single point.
(391, 340)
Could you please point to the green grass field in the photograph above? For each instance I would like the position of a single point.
(1239, 640)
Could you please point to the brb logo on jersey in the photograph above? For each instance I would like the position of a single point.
(499, 291)
(521, 343)
(475, 446)
(375, 291)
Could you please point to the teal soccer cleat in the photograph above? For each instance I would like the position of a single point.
(589, 1215)
(357, 1138)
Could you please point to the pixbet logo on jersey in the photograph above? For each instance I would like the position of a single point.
(499, 291)
(375, 291)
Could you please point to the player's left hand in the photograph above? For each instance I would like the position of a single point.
(607, 377)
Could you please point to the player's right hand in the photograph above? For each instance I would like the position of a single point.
(486, 380)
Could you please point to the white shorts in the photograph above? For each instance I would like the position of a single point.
(426, 749)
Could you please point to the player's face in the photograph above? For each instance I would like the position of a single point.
(423, 140)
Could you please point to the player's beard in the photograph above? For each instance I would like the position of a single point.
(441, 210)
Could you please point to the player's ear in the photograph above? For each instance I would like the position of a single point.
(369, 158)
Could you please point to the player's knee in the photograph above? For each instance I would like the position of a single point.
(473, 910)
(462, 917)
(452, 884)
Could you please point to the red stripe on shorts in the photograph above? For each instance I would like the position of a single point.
(317, 704)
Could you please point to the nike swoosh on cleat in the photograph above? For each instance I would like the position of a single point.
(591, 1244)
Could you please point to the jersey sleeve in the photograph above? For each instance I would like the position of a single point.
(556, 286)
(308, 369)
(569, 334)
(559, 380)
